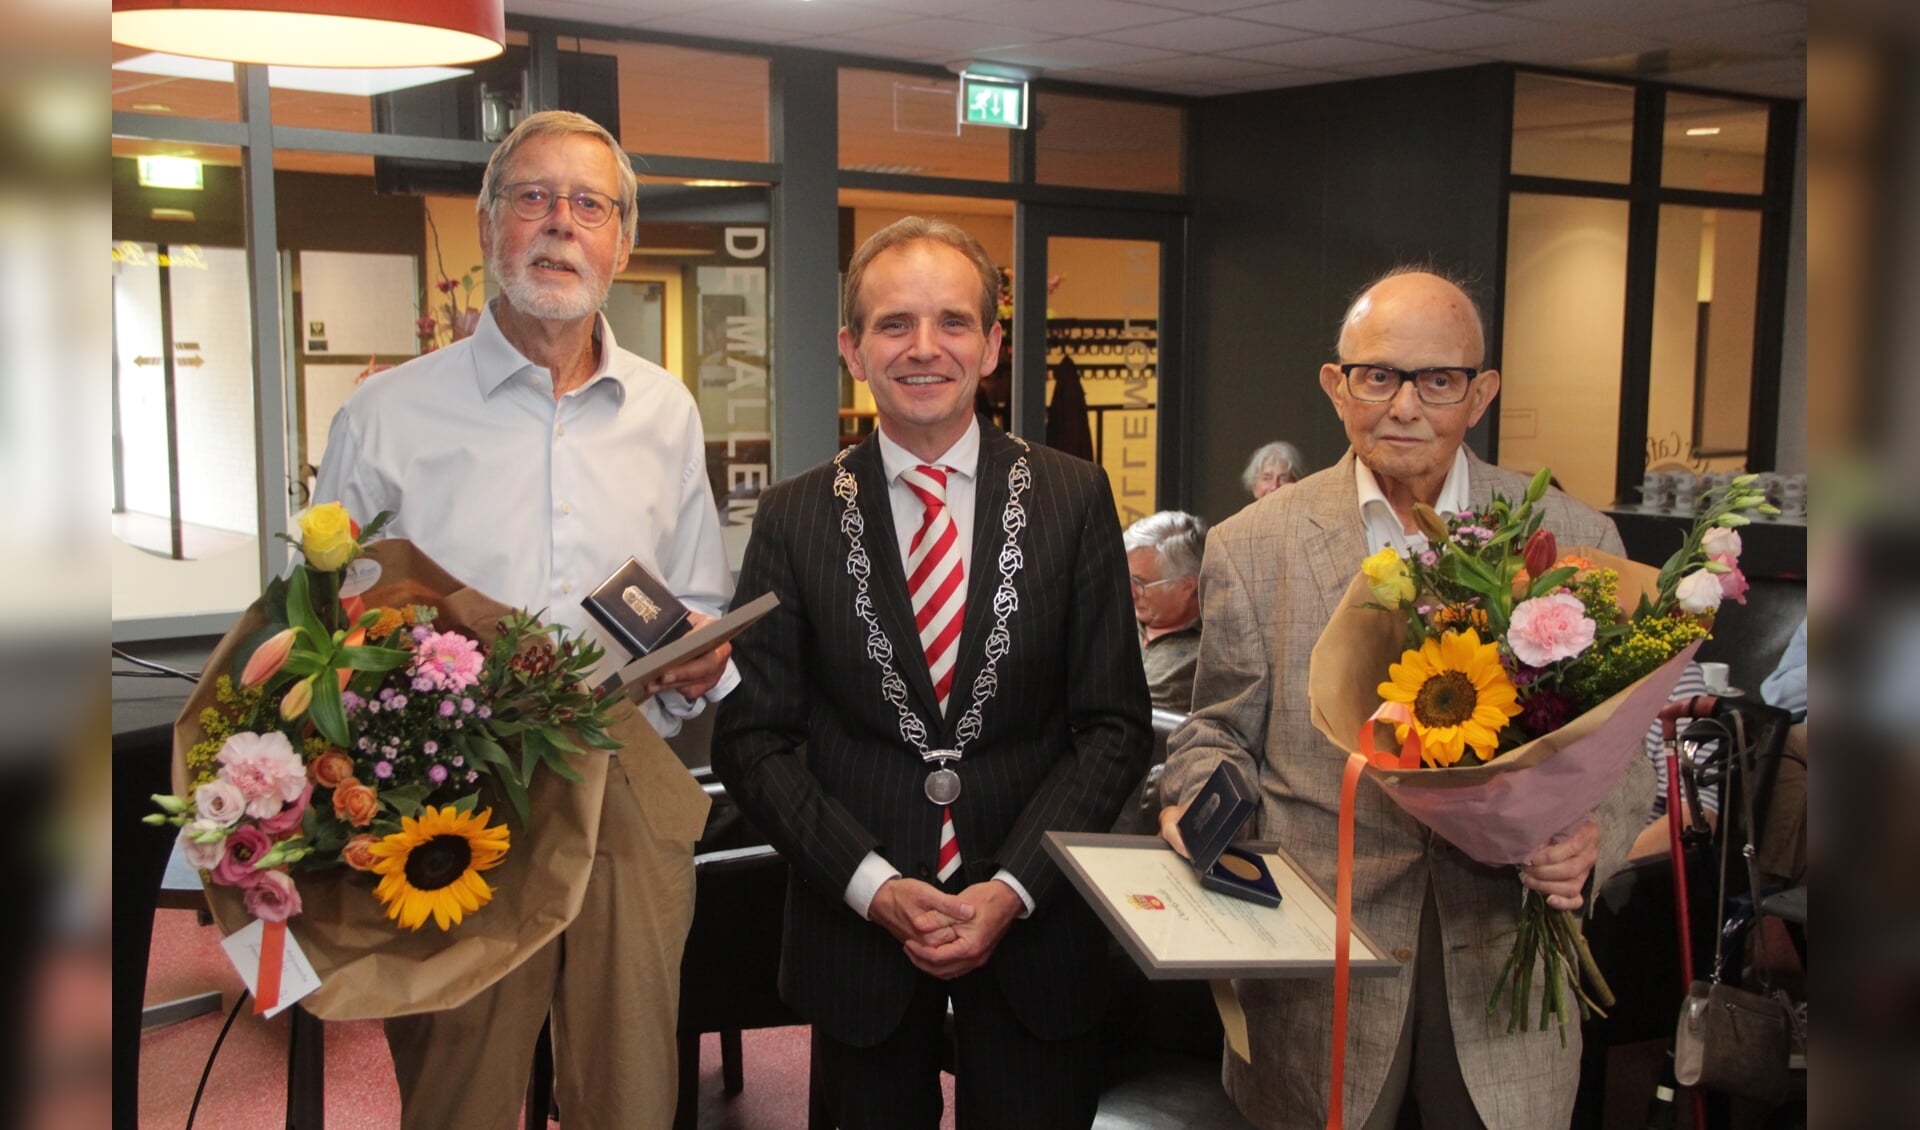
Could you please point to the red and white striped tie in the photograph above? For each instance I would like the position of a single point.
(936, 580)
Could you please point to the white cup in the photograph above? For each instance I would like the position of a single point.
(1715, 676)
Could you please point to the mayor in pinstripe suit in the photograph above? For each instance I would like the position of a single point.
(1409, 386)
(836, 741)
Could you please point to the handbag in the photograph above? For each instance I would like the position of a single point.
(1734, 1041)
(1729, 1039)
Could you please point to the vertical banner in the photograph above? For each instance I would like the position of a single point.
(730, 308)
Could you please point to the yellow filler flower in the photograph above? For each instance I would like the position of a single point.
(433, 864)
(1458, 693)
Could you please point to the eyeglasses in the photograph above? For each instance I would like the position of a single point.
(1439, 386)
(531, 201)
(1140, 586)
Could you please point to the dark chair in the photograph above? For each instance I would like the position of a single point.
(142, 766)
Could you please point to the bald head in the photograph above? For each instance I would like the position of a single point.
(1411, 302)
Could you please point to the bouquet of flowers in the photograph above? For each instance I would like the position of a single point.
(343, 742)
(1518, 681)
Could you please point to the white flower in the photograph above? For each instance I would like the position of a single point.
(203, 855)
(1720, 540)
(1699, 592)
(220, 802)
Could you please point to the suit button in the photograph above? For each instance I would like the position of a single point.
(1403, 953)
(924, 871)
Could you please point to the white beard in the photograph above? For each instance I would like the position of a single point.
(550, 305)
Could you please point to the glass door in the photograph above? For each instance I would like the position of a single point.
(1099, 343)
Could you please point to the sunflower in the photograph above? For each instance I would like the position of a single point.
(1459, 694)
(433, 864)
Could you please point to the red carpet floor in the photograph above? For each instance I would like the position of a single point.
(248, 1086)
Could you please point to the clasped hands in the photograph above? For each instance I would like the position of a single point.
(945, 935)
(1558, 870)
(693, 677)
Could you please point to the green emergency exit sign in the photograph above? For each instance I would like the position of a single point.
(989, 101)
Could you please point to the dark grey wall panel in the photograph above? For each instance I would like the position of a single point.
(1302, 196)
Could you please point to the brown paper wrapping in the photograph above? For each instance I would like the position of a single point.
(369, 966)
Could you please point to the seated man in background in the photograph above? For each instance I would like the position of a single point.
(1163, 566)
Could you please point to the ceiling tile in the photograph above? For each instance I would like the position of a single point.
(1205, 33)
(1073, 17)
(1459, 32)
(1196, 68)
(905, 8)
(1615, 13)
(1560, 44)
(1409, 64)
(853, 45)
(820, 17)
(1075, 54)
(1324, 51)
(956, 38)
(1717, 27)
(1288, 76)
(718, 29)
(1346, 15)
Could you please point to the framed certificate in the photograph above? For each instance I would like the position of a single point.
(1176, 929)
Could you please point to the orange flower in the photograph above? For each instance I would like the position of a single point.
(389, 622)
(268, 658)
(331, 769)
(357, 852)
(355, 803)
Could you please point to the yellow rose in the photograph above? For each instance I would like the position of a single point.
(326, 536)
(1387, 576)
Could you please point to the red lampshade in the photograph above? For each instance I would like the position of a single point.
(316, 33)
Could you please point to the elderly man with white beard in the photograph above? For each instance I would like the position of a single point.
(531, 459)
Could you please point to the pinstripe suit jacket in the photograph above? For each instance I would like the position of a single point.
(814, 752)
(1272, 576)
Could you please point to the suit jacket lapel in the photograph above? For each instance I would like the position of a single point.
(888, 578)
(1334, 553)
(997, 453)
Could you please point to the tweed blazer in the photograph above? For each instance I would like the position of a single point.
(814, 752)
(1271, 579)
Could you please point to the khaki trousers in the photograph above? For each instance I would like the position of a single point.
(611, 982)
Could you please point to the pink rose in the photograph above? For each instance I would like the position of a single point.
(1720, 541)
(1733, 583)
(1548, 629)
(273, 898)
(288, 819)
(203, 856)
(220, 802)
(265, 770)
(244, 845)
(1698, 592)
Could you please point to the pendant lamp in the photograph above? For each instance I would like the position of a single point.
(316, 33)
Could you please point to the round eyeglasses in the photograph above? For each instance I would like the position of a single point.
(531, 201)
(1438, 386)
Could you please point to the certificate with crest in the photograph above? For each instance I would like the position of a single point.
(1176, 929)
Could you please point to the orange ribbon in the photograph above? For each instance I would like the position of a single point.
(1407, 757)
(273, 945)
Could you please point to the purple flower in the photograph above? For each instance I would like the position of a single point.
(351, 701)
(364, 745)
(472, 776)
(430, 748)
(399, 702)
(437, 774)
(458, 760)
(421, 632)
(386, 694)
(484, 712)
(373, 708)
(1429, 558)
(1546, 711)
(446, 708)
(422, 684)
(466, 706)
(383, 770)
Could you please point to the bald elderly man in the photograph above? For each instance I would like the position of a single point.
(1407, 386)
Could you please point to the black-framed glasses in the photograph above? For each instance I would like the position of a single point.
(1440, 385)
(533, 201)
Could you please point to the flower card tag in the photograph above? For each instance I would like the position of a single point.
(1222, 808)
(636, 608)
(297, 977)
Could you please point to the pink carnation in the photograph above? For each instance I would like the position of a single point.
(1548, 629)
(1733, 583)
(273, 898)
(265, 770)
(448, 660)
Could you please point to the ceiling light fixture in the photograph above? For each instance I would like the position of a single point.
(362, 83)
(1703, 131)
(316, 33)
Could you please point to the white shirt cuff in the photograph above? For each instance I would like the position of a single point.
(1026, 900)
(867, 878)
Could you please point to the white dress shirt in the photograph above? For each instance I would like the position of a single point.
(961, 461)
(1383, 523)
(535, 501)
